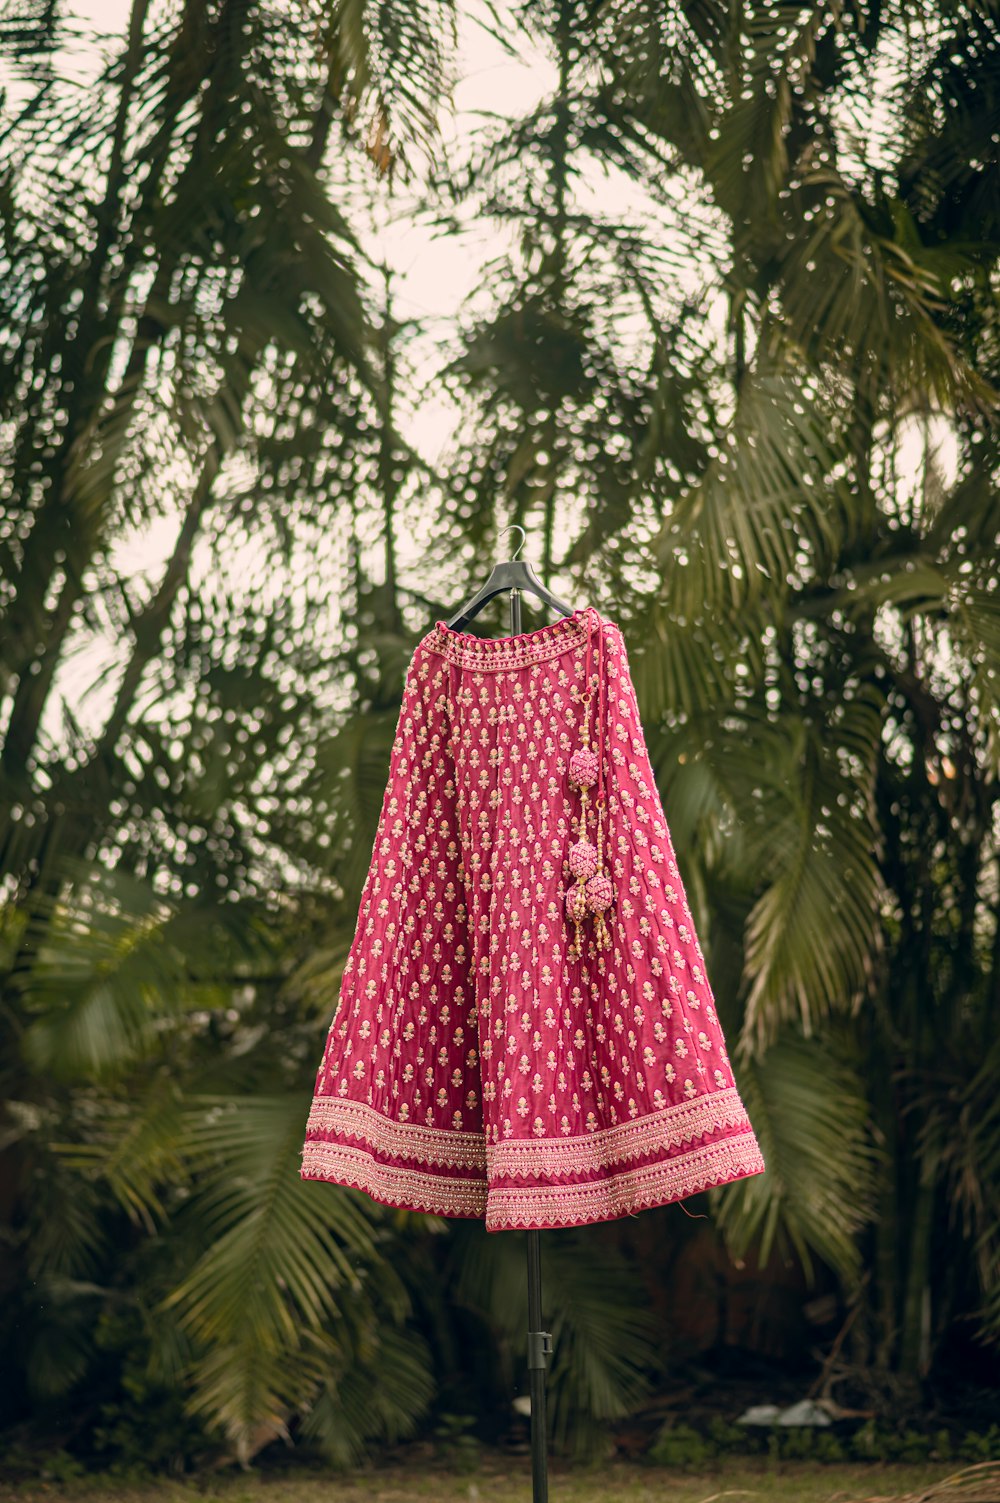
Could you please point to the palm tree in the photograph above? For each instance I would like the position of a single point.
(192, 349)
(706, 404)
(815, 640)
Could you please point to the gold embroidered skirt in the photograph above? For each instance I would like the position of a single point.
(525, 1032)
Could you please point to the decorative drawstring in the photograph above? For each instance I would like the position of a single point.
(601, 713)
(450, 703)
(592, 891)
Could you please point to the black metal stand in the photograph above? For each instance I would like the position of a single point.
(539, 1347)
(539, 1341)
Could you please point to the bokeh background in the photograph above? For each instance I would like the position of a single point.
(302, 305)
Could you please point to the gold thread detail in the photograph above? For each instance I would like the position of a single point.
(492, 654)
(511, 1207)
(398, 1140)
(436, 1194)
(621, 1194)
(664, 1129)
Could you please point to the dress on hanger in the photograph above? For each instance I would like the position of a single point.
(525, 1032)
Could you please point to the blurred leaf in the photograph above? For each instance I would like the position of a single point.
(807, 1102)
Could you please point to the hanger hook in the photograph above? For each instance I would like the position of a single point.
(520, 530)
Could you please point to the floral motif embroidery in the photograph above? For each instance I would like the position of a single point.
(650, 1133)
(473, 1067)
(625, 1193)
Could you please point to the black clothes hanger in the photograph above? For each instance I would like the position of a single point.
(512, 574)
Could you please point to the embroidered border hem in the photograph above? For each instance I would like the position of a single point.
(512, 1207)
(398, 1140)
(668, 1128)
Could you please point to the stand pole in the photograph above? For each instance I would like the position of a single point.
(539, 1347)
(539, 1341)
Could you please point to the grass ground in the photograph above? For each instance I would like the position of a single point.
(733, 1481)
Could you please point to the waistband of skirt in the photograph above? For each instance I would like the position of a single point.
(490, 654)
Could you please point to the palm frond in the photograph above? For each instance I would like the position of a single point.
(960, 1147)
(807, 1102)
(68, 1227)
(110, 960)
(685, 668)
(603, 1339)
(856, 295)
(350, 783)
(604, 1345)
(380, 1396)
(261, 1302)
(746, 160)
(390, 69)
(771, 492)
(811, 934)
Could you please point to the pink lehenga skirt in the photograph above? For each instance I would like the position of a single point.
(525, 1032)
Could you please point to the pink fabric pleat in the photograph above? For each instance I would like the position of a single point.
(474, 1066)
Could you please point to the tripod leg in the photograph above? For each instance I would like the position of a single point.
(539, 1347)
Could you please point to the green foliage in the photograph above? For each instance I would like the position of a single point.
(684, 1446)
(604, 1341)
(62, 1467)
(872, 1442)
(679, 1445)
(376, 1392)
(745, 403)
(807, 1104)
(143, 1429)
(454, 1442)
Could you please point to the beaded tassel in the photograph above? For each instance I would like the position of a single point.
(600, 893)
(591, 891)
(582, 855)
